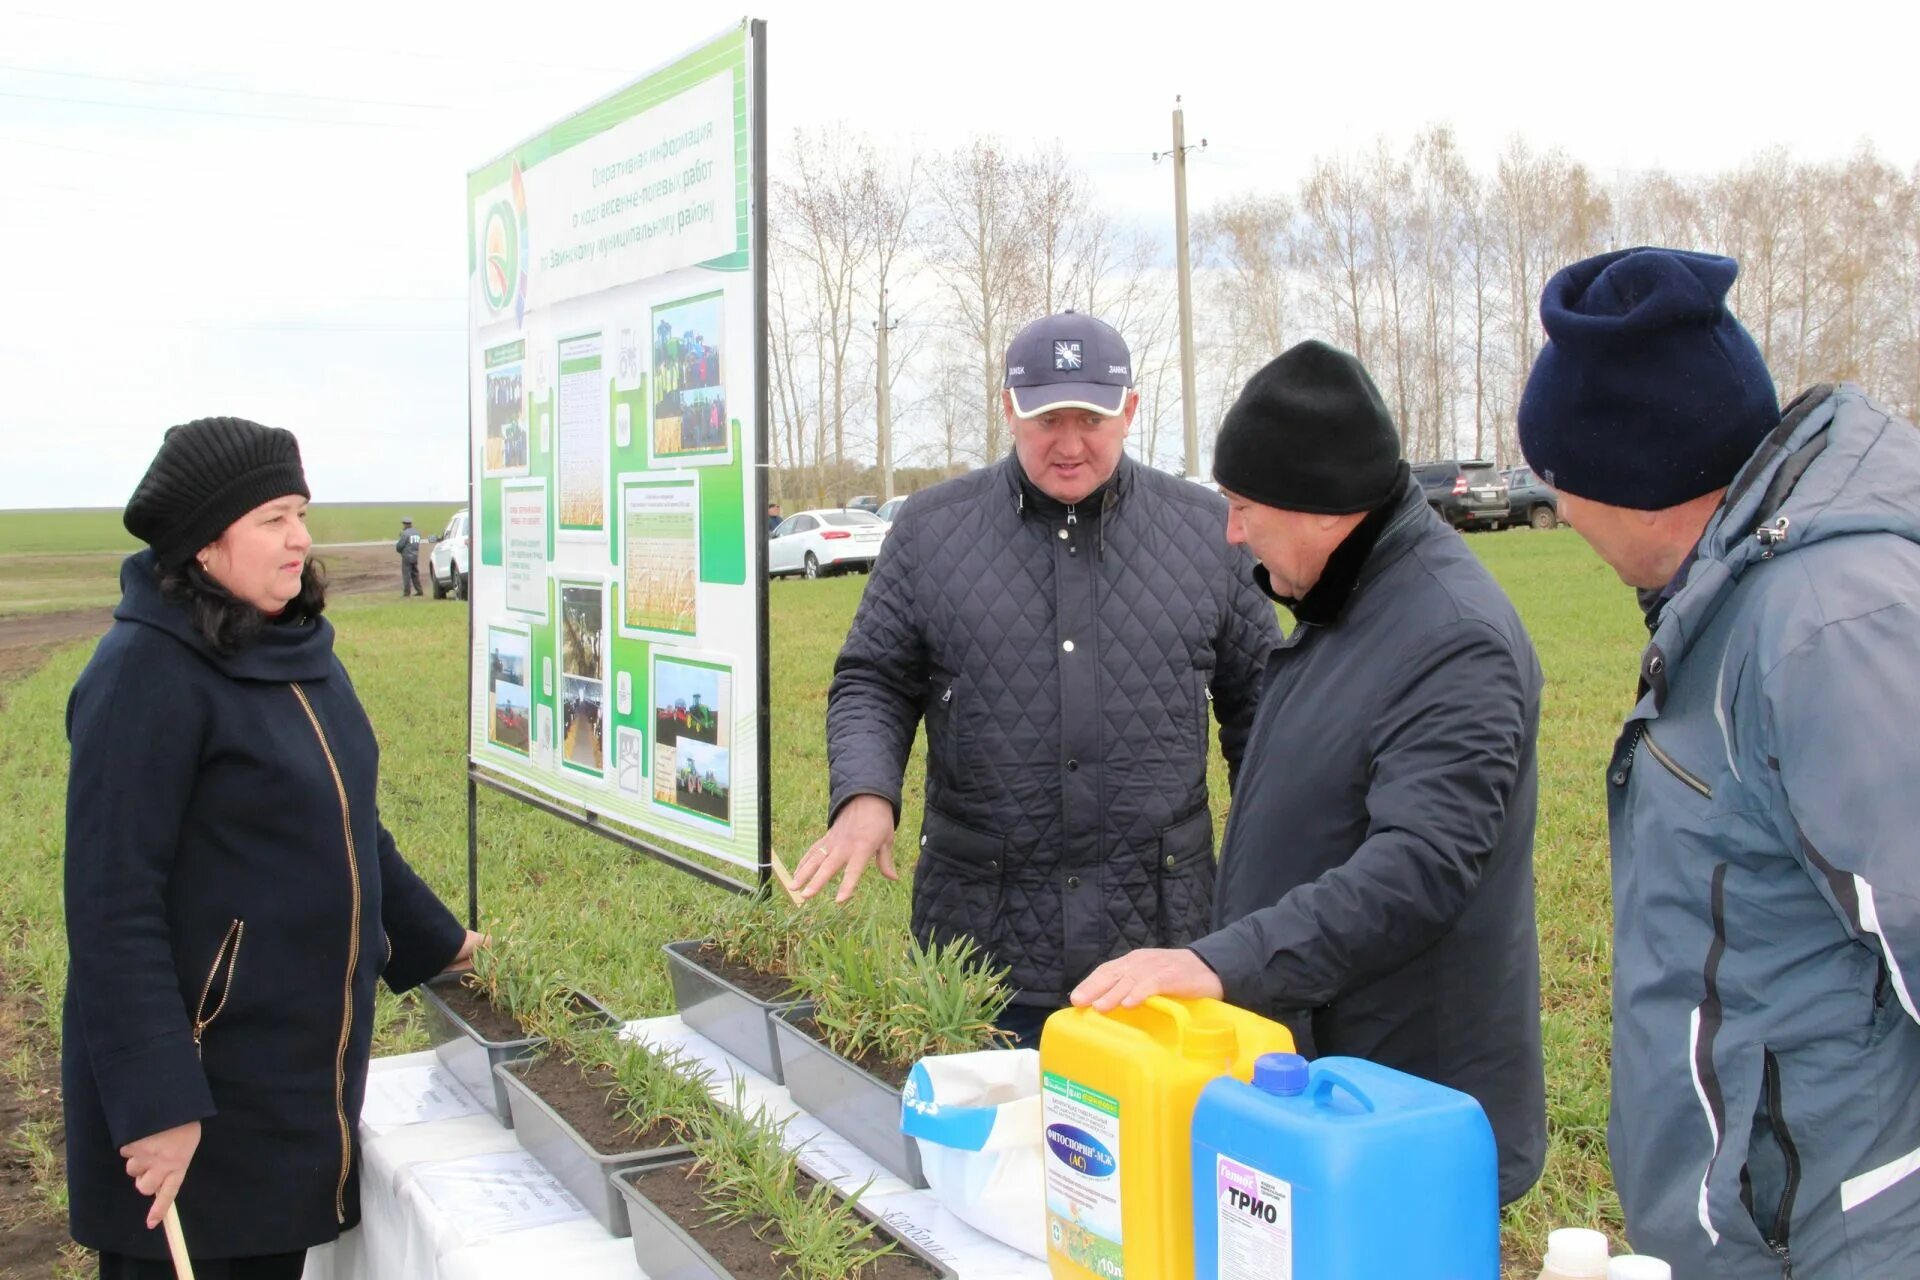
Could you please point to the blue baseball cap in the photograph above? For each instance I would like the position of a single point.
(1068, 361)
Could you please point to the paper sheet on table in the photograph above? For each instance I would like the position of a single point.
(414, 1095)
(490, 1195)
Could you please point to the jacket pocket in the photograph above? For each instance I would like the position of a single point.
(219, 984)
(1771, 1177)
(942, 758)
(958, 883)
(1185, 871)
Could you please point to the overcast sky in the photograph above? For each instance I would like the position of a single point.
(213, 208)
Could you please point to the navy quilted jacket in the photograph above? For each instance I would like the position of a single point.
(1064, 659)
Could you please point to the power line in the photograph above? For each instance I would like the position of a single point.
(211, 88)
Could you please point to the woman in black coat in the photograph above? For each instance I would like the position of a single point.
(232, 896)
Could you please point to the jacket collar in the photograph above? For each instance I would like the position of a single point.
(1029, 500)
(281, 654)
(1389, 530)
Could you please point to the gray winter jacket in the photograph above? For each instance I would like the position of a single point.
(1064, 660)
(1764, 803)
(1378, 866)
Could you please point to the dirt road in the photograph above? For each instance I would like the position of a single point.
(27, 639)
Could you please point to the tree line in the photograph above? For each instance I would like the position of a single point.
(1428, 269)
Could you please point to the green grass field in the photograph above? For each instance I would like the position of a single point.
(603, 913)
(71, 531)
(70, 559)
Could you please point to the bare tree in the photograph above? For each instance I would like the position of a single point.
(1333, 249)
(984, 257)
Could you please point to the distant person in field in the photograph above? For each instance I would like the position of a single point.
(1764, 795)
(408, 545)
(773, 517)
(232, 896)
(1064, 620)
(1376, 881)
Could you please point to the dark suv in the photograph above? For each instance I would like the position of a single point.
(1530, 500)
(1468, 493)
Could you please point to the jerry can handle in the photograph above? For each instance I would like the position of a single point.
(1327, 1079)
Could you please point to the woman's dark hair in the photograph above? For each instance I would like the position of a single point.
(228, 623)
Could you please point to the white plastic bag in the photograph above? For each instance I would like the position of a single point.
(976, 1118)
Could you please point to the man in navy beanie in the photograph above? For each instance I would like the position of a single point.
(1376, 882)
(1761, 799)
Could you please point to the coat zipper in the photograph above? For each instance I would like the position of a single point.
(229, 951)
(1673, 766)
(353, 961)
(1791, 1154)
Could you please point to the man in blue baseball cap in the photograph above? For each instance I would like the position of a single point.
(1063, 620)
(1761, 798)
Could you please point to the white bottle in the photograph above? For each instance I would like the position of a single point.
(1638, 1266)
(1574, 1253)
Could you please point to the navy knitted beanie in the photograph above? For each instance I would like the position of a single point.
(1309, 432)
(1648, 393)
(208, 474)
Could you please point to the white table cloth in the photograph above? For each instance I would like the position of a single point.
(446, 1195)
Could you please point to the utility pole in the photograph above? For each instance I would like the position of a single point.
(1188, 411)
(882, 327)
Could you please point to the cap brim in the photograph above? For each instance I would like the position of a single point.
(1097, 397)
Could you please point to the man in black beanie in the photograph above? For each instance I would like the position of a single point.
(1761, 799)
(1376, 883)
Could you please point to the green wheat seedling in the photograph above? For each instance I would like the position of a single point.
(653, 1086)
(871, 1001)
(516, 981)
(763, 932)
(749, 1173)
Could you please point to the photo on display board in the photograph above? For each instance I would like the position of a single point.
(583, 724)
(509, 694)
(583, 676)
(581, 465)
(659, 555)
(693, 737)
(689, 401)
(507, 446)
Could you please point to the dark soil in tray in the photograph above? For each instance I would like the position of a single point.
(477, 1011)
(771, 987)
(736, 1246)
(582, 1097)
(494, 1024)
(887, 1072)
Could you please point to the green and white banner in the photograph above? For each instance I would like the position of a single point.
(617, 572)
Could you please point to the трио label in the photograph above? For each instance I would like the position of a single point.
(1256, 1223)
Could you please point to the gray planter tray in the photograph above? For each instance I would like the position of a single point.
(859, 1107)
(723, 1013)
(470, 1058)
(546, 1136)
(666, 1252)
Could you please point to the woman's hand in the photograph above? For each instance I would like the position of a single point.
(158, 1163)
(463, 959)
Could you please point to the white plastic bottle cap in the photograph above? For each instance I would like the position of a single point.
(1576, 1251)
(1638, 1266)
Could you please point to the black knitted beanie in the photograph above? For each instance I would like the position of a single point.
(208, 474)
(1310, 433)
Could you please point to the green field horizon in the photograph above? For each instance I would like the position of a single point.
(80, 530)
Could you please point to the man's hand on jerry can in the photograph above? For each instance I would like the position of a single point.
(1151, 971)
(863, 833)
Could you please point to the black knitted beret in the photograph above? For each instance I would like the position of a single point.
(208, 474)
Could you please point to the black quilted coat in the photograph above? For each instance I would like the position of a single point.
(1064, 659)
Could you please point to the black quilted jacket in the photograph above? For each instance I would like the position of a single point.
(1064, 659)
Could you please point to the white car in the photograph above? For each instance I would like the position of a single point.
(816, 543)
(890, 509)
(448, 564)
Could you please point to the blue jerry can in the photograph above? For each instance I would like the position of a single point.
(1342, 1170)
